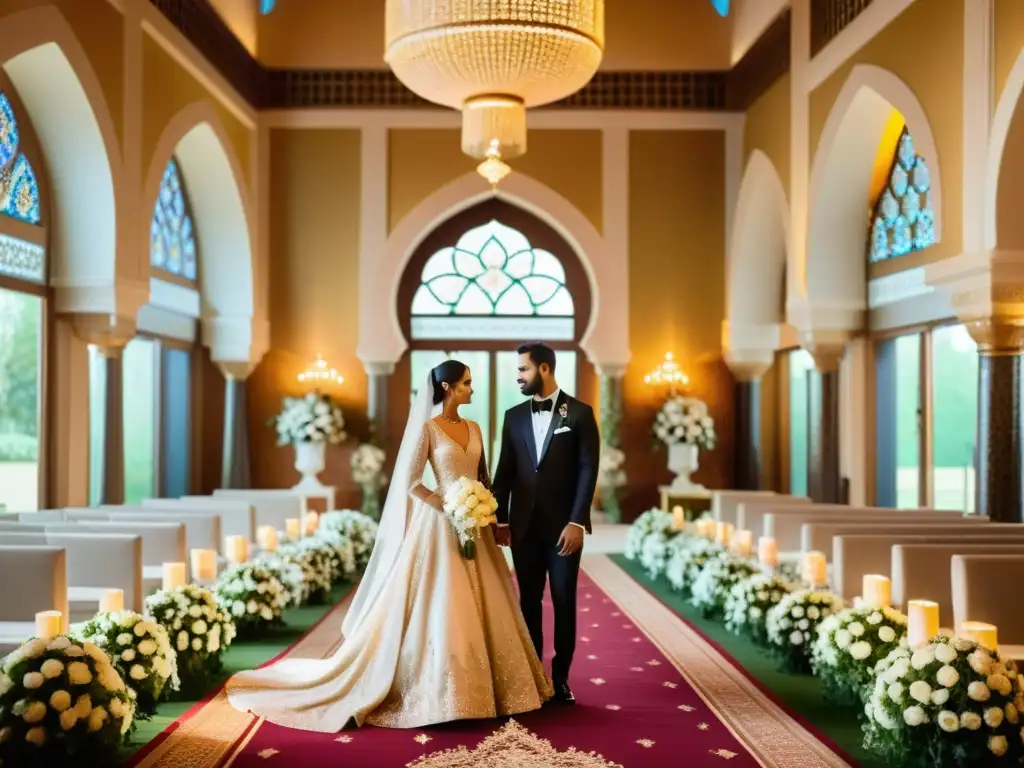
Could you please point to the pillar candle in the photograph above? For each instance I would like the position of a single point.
(723, 533)
(236, 549)
(263, 534)
(272, 541)
(742, 541)
(112, 601)
(814, 569)
(876, 591)
(768, 551)
(985, 635)
(312, 523)
(678, 518)
(706, 527)
(48, 624)
(292, 527)
(204, 565)
(174, 575)
(922, 622)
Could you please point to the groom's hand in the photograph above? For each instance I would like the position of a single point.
(571, 540)
(502, 536)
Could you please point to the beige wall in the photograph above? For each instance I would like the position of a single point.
(767, 128)
(1007, 42)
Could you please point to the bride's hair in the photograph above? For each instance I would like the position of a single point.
(449, 372)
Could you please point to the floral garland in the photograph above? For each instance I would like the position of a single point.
(748, 602)
(793, 623)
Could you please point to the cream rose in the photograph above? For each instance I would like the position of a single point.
(948, 721)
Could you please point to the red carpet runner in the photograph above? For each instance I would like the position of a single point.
(633, 708)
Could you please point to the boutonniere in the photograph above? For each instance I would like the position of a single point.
(563, 411)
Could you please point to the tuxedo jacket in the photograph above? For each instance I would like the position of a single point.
(558, 484)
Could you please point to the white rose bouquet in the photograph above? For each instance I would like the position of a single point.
(687, 557)
(318, 562)
(685, 420)
(652, 521)
(254, 595)
(716, 580)
(469, 506)
(849, 645)
(61, 703)
(358, 528)
(141, 652)
(748, 602)
(315, 418)
(198, 630)
(949, 703)
(793, 623)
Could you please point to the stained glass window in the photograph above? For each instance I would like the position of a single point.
(172, 239)
(902, 220)
(493, 272)
(721, 6)
(19, 191)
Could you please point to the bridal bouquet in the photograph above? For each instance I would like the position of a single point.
(469, 507)
(315, 418)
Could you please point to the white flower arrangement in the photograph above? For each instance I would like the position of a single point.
(610, 473)
(198, 629)
(359, 529)
(716, 580)
(685, 420)
(849, 645)
(949, 703)
(318, 562)
(368, 466)
(141, 652)
(315, 418)
(654, 520)
(793, 623)
(62, 703)
(687, 556)
(470, 507)
(254, 595)
(344, 550)
(748, 603)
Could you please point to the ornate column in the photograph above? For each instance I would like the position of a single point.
(747, 424)
(611, 419)
(824, 482)
(986, 291)
(378, 378)
(236, 466)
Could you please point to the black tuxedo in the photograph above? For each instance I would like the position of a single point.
(538, 495)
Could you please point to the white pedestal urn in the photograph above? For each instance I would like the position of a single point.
(310, 461)
(683, 461)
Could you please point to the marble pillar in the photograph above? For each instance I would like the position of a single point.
(378, 383)
(107, 462)
(999, 436)
(747, 437)
(824, 483)
(236, 464)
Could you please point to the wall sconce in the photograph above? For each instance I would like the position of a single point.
(319, 374)
(668, 374)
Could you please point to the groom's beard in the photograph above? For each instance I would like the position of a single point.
(531, 388)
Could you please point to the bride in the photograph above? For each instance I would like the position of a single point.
(430, 637)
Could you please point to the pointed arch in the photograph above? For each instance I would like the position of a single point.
(19, 188)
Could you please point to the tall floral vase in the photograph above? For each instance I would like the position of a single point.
(683, 461)
(310, 460)
(371, 500)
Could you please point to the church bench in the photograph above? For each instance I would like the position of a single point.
(203, 530)
(979, 583)
(272, 507)
(237, 516)
(819, 535)
(40, 573)
(787, 527)
(725, 504)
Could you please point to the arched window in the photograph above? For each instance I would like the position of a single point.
(172, 240)
(902, 220)
(19, 191)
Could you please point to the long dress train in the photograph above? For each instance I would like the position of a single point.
(446, 642)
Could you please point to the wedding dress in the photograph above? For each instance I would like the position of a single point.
(430, 637)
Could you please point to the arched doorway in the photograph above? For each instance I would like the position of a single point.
(485, 280)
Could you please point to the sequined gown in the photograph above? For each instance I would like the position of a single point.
(447, 643)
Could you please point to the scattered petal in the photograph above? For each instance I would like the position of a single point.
(670, 685)
(616, 614)
(724, 753)
(344, 739)
(267, 753)
(703, 727)
(686, 708)
(592, 657)
(636, 669)
(637, 639)
(587, 595)
(422, 738)
(584, 639)
(612, 707)
(595, 625)
(627, 626)
(645, 743)
(584, 609)
(653, 663)
(597, 681)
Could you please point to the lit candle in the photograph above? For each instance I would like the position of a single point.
(264, 534)
(768, 551)
(174, 575)
(111, 600)
(814, 569)
(272, 541)
(742, 541)
(292, 528)
(312, 523)
(204, 565)
(922, 622)
(723, 533)
(48, 624)
(706, 527)
(236, 549)
(678, 518)
(876, 591)
(983, 634)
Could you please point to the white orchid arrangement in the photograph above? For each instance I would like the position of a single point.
(318, 563)
(653, 521)
(685, 420)
(687, 557)
(610, 473)
(140, 650)
(470, 507)
(748, 602)
(359, 529)
(60, 698)
(950, 703)
(254, 595)
(315, 418)
(198, 630)
(716, 581)
(850, 644)
(793, 624)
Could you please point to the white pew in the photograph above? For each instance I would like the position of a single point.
(161, 543)
(272, 507)
(979, 594)
(41, 576)
(725, 504)
(237, 516)
(202, 529)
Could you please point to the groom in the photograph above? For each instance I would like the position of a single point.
(544, 485)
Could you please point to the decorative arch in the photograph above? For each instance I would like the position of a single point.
(835, 271)
(196, 140)
(1004, 166)
(72, 122)
(605, 340)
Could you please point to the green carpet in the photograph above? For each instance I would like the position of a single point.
(802, 694)
(240, 656)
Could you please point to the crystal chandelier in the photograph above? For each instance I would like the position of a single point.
(668, 374)
(492, 59)
(318, 374)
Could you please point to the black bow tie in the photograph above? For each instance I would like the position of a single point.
(539, 406)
